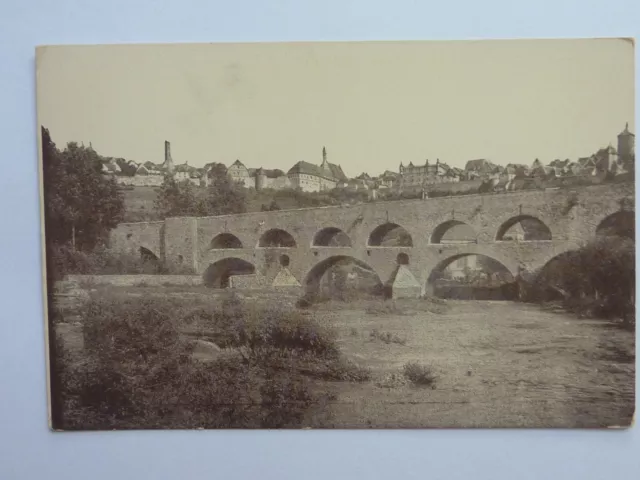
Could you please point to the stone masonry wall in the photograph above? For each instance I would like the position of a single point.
(572, 216)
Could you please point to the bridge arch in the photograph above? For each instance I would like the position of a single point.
(217, 275)
(276, 238)
(525, 228)
(454, 228)
(495, 272)
(331, 237)
(225, 240)
(390, 235)
(313, 278)
(618, 224)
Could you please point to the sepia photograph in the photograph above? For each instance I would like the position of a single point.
(337, 235)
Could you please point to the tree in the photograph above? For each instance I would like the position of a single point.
(223, 197)
(178, 199)
(273, 206)
(81, 204)
(126, 168)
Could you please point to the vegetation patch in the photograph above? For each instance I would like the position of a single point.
(597, 280)
(139, 367)
(420, 375)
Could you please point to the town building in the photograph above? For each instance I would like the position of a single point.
(417, 176)
(313, 178)
(479, 168)
(387, 179)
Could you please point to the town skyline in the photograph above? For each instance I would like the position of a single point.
(272, 105)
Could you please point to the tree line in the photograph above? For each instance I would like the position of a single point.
(82, 204)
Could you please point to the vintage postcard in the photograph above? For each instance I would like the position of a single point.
(339, 235)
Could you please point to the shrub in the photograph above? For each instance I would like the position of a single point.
(419, 374)
(102, 261)
(387, 337)
(288, 399)
(595, 280)
(290, 330)
(139, 372)
(65, 260)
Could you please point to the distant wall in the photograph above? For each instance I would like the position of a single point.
(458, 187)
(278, 183)
(140, 180)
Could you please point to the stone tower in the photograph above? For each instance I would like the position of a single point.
(626, 147)
(261, 179)
(168, 161)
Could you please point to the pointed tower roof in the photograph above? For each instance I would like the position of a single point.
(325, 163)
(626, 131)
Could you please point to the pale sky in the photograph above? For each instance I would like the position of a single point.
(372, 104)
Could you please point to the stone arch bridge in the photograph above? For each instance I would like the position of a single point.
(301, 242)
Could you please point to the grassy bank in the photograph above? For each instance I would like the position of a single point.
(166, 363)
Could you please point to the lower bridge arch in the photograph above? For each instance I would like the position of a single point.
(618, 224)
(339, 275)
(471, 276)
(219, 274)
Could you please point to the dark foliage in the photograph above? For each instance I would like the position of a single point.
(138, 368)
(81, 204)
(419, 375)
(595, 280)
(223, 197)
(178, 199)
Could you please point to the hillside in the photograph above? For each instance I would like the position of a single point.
(139, 201)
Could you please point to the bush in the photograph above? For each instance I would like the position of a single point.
(139, 373)
(419, 375)
(595, 280)
(65, 260)
(292, 331)
(139, 370)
